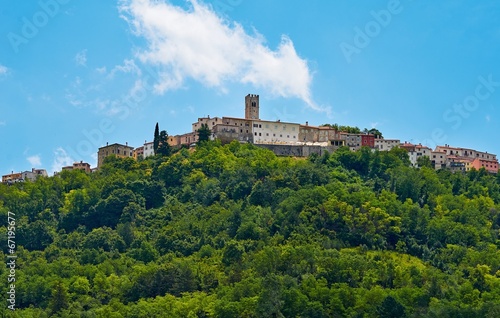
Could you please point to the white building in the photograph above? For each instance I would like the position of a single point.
(418, 152)
(149, 149)
(33, 174)
(274, 132)
(386, 144)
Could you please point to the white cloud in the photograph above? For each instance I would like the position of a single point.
(3, 70)
(128, 66)
(35, 161)
(81, 58)
(61, 159)
(488, 118)
(101, 70)
(118, 101)
(198, 44)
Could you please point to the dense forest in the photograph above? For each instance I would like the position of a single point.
(234, 231)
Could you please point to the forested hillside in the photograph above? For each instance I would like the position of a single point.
(234, 231)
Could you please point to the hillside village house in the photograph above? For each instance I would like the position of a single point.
(79, 166)
(386, 144)
(121, 151)
(24, 176)
(271, 134)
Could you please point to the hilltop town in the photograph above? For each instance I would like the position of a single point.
(287, 139)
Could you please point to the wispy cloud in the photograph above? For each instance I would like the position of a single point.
(3, 69)
(101, 70)
(35, 161)
(127, 67)
(61, 159)
(112, 84)
(198, 44)
(81, 58)
(488, 118)
(3, 123)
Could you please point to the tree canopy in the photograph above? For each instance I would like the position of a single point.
(234, 231)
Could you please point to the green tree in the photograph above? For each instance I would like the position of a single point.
(424, 161)
(60, 299)
(391, 308)
(163, 147)
(203, 133)
(376, 132)
(156, 140)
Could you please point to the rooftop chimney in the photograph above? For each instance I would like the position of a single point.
(307, 123)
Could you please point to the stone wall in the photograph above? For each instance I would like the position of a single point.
(296, 151)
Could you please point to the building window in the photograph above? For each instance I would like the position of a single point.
(255, 134)
(274, 135)
(267, 134)
(241, 130)
(260, 134)
(281, 136)
(260, 126)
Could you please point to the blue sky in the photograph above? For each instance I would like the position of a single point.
(77, 74)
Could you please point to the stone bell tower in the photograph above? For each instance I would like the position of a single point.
(252, 106)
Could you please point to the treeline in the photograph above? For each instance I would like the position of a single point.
(355, 130)
(234, 231)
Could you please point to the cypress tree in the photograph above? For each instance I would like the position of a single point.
(156, 140)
